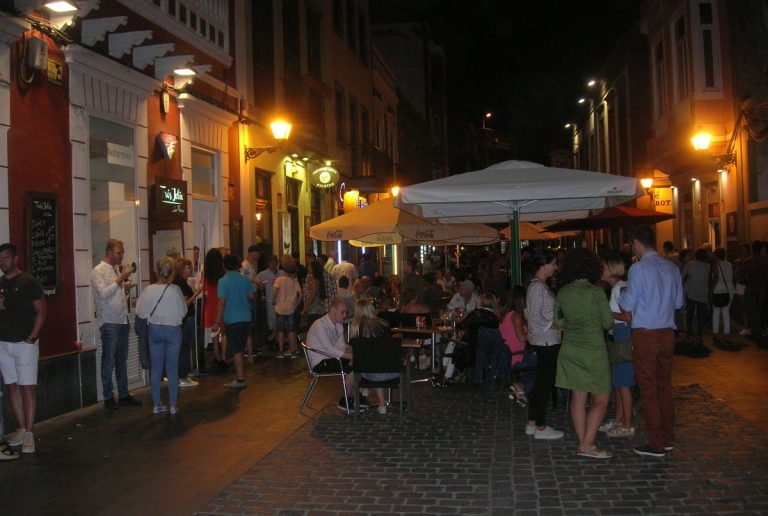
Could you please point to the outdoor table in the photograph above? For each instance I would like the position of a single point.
(433, 331)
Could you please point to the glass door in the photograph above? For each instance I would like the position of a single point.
(114, 213)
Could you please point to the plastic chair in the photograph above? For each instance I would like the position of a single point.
(315, 376)
(378, 355)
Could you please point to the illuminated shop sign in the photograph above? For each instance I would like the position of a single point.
(324, 177)
(169, 199)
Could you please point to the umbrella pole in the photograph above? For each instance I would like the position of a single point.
(514, 252)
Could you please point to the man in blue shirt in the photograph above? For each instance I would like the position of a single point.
(653, 294)
(235, 292)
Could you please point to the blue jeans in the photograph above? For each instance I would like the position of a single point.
(164, 346)
(114, 356)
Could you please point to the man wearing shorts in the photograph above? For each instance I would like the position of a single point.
(235, 292)
(22, 314)
(286, 293)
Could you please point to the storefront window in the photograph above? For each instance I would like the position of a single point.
(203, 173)
(113, 188)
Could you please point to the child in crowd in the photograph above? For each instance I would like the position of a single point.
(623, 371)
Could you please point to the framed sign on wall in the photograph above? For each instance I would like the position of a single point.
(43, 239)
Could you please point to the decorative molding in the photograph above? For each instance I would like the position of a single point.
(193, 105)
(164, 66)
(101, 84)
(146, 55)
(94, 30)
(120, 43)
(151, 12)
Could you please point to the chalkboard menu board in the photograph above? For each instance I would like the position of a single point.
(43, 239)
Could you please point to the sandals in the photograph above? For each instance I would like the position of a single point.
(518, 395)
(594, 453)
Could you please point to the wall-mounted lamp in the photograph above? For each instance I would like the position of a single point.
(701, 141)
(591, 83)
(647, 184)
(395, 191)
(281, 131)
(258, 216)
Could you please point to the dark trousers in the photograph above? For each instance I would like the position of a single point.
(187, 343)
(546, 369)
(699, 310)
(652, 352)
(754, 301)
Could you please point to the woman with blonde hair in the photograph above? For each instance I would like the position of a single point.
(365, 325)
(620, 342)
(162, 304)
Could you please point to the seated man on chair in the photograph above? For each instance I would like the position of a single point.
(327, 335)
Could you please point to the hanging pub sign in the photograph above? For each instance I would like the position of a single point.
(167, 144)
(168, 200)
(324, 177)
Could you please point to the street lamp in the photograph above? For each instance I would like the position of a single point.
(281, 130)
(486, 116)
(701, 141)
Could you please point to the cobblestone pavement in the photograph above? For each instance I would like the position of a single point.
(464, 451)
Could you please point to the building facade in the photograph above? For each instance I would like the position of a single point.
(122, 122)
(707, 78)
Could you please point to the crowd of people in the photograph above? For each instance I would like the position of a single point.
(578, 321)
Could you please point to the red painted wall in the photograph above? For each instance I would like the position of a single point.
(157, 165)
(40, 160)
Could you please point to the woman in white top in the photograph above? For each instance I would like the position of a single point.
(723, 274)
(545, 339)
(162, 304)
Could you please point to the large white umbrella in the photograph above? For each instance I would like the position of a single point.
(383, 223)
(516, 190)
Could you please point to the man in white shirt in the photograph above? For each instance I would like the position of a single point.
(345, 268)
(327, 335)
(465, 299)
(110, 283)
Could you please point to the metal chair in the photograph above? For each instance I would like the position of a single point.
(317, 375)
(378, 355)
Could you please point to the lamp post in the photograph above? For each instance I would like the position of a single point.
(281, 131)
(488, 115)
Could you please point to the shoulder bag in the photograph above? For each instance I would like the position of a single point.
(141, 326)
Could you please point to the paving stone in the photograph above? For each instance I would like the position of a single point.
(463, 451)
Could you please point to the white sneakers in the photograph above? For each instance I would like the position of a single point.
(28, 444)
(188, 382)
(548, 433)
(16, 438)
(382, 409)
(23, 438)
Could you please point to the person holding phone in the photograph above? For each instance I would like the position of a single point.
(110, 282)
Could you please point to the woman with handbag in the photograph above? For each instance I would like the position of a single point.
(722, 295)
(162, 304)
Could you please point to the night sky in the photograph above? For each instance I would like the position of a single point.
(527, 61)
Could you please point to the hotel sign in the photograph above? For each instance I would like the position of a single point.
(169, 199)
(324, 177)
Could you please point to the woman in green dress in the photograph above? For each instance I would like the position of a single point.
(582, 311)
